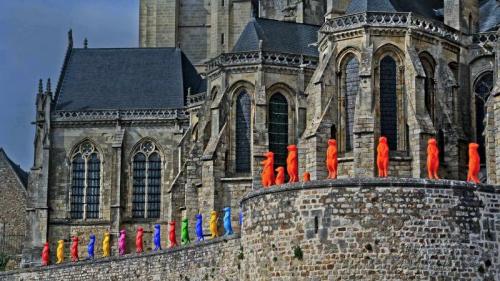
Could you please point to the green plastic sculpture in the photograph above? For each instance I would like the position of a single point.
(184, 232)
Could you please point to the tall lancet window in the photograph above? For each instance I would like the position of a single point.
(388, 101)
(146, 182)
(350, 88)
(278, 128)
(85, 182)
(482, 90)
(243, 132)
(429, 98)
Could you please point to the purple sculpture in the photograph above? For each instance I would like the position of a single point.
(122, 241)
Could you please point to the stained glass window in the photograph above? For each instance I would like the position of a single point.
(388, 101)
(154, 183)
(139, 185)
(77, 186)
(243, 125)
(351, 86)
(482, 89)
(429, 97)
(278, 128)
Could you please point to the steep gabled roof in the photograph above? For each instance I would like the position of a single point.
(20, 173)
(489, 15)
(278, 36)
(425, 8)
(126, 78)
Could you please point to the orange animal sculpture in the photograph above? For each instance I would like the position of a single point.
(280, 177)
(45, 254)
(382, 157)
(474, 163)
(432, 159)
(74, 249)
(268, 170)
(292, 164)
(306, 177)
(331, 159)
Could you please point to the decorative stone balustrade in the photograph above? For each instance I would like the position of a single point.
(485, 38)
(196, 100)
(106, 115)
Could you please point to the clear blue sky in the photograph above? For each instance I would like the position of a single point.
(33, 40)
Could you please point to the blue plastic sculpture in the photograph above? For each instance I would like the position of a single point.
(241, 218)
(90, 247)
(199, 228)
(227, 221)
(157, 237)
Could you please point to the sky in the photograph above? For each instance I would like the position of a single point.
(33, 41)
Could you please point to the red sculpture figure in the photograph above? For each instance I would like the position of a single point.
(331, 159)
(138, 240)
(474, 163)
(432, 159)
(171, 236)
(292, 165)
(268, 170)
(280, 177)
(45, 254)
(74, 249)
(382, 157)
(307, 177)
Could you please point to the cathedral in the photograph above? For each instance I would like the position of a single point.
(132, 137)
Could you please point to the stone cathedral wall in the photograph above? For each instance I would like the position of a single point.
(353, 229)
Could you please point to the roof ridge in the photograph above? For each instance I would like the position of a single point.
(286, 22)
(21, 174)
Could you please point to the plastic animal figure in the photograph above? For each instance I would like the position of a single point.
(138, 240)
(432, 159)
(185, 232)
(213, 224)
(90, 247)
(382, 157)
(331, 159)
(74, 249)
(292, 165)
(106, 246)
(122, 242)
(280, 177)
(60, 251)
(268, 170)
(45, 254)
(474, 163)
(227, 222)
(306, 177)
(171, 234)
(241, 218)
(157, 237)
(199, 228)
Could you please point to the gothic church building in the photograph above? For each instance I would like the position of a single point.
(179, 126)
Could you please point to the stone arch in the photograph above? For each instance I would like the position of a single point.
(429, 66)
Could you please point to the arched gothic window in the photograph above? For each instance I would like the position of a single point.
(482, 89)
(243, 132)
(278, 128)
(429, 96)
(388, 101)
(85, 182)
(146, 189)
(350, 88)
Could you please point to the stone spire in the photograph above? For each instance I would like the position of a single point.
(70, 38)
(48, 87)
(85, 43)
(40, 87)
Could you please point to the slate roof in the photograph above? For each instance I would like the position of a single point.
(278, 36)
(21, 174)
(489, 15)
(126, 78)
(427, 8)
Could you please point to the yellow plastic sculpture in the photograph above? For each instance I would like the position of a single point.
(60, 251)
(213, 224)
(106, 249)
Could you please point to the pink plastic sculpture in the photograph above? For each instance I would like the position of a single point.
(171, 234)
(474, 163)
(268, 170)
(45, 254)
(306, 177)
(138, 240)
(432, 159)
(383, 157)
(331, 159)
(292, 164)
(122, 242)
(280, 177)
(74, 249)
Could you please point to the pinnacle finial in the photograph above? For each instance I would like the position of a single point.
(40, 86)
(70, 38)
(85, 43)
(48, 86)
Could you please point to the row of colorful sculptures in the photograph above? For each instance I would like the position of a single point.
(106, 246)
(269, 179)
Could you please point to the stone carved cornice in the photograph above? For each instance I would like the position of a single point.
(387, 19)
(485, 39)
